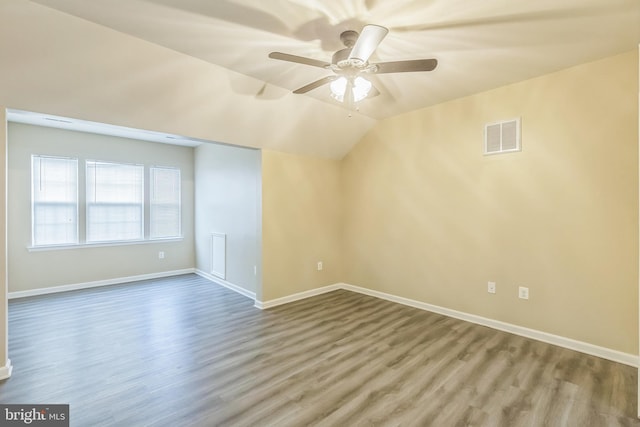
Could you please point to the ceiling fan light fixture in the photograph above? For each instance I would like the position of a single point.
(352, 62)
(361, 88)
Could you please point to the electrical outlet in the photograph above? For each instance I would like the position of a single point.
(523, 293)
(319, 265)
(161, 255)
(491, 287)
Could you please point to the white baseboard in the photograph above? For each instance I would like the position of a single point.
(296, 297)
(229, 285)
(583, 347)
(86, 285)
(594, 350)
(5, 371)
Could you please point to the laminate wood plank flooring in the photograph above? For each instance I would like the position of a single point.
(183, 351)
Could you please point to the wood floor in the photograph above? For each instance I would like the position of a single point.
(185, 352)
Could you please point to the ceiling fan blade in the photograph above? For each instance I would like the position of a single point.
(317, 83)
(367, 42)
(299, 59)
(405, 66)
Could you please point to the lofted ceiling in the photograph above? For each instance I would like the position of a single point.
(480, 44)
(199, 70)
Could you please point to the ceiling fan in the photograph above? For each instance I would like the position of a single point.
(351, 64)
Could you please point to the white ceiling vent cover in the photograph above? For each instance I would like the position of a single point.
(502, 137)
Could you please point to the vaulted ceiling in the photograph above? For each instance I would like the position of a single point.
(479, 44)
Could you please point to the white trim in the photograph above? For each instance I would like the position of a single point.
(5, 371)
(107, 282)
(228, 285)
(103, 244)
(581, 346)
(262, 305)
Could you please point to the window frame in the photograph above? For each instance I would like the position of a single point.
(34, 202)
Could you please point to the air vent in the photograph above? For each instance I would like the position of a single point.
(502, 137)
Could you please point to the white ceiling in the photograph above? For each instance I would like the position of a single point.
(480, 44)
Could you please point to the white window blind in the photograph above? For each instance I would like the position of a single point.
(54, 200)
(164, 202)
(115, 202)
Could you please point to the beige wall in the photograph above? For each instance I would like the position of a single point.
(428, 217)
(41, 269)
(301, 224)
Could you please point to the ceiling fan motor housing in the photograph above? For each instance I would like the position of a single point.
(349, 37)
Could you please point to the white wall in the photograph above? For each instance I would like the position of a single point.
(227, 200)
(42, 269)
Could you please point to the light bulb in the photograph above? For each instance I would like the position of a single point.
(338, 87)
(360, 88)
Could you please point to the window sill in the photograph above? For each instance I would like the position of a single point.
(102, 244)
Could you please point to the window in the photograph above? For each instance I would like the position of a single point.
(115, 202)
(115, 197)
(54, 200)
(164, 202)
